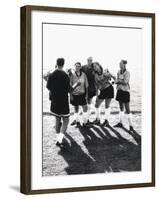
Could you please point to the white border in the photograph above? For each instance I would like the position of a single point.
(39, 182)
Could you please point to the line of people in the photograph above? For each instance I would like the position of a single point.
(81, 85)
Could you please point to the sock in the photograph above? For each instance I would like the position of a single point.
(89, 109)
(129, 119)
(85, 117)
(107, 113)
(76, 117)
(60, 137)
(121, 116)
(97, 114)
(57, 136)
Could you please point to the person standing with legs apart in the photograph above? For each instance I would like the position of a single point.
(102, 79)
(88, 70)
(79, 95)
(123, 94)
(59, 86)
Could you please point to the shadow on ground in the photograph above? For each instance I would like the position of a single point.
(15, 188)
(105, 153)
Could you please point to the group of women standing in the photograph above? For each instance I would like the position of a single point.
(84, 83)
(92, 80)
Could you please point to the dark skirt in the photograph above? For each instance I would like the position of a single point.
(78, 100)
(107, 93)
(123, 96)
(60, 106)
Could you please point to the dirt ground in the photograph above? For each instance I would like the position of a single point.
(95, 150)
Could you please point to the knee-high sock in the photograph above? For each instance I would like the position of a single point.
(60, 137)
(85, 117)
(89, 109)
(107, 113)
(121, 116)
(97, 113)
(129, 119)
(76, 117)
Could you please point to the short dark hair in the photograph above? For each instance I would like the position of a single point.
(78, 63)
(60, 62)
(124, 62)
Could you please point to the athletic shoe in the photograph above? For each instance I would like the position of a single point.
(96, 121)
(89, 123)
(78, 124)
(105, 123)
(86, 125)
(119, 125)
(73, 123)
(131, 128)
(61, 145)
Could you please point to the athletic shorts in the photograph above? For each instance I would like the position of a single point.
(78, 100)
(60, 106)
(91, 94)
(123, 96)
(107, 93)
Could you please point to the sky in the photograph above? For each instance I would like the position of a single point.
(106, 45)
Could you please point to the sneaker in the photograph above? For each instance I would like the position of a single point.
(119, 125)
(105, 123)
(96, 121)
(131, 128)
(78, 124)
(73, 123)
(86, 125)
(61, 145)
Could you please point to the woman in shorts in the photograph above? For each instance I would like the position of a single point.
(123, 94)
(79, 84)
(104, 85)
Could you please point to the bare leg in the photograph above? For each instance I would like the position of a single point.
(64, 124)
(63, 129)
(58, 128)
(89, 106)
(76, 114)
(58, 124)
(127, 108)
(121, 106)
(121, 115)
(85, 114)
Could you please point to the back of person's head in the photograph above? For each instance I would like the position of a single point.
(78, 63)
(124, 62)
(60, 62)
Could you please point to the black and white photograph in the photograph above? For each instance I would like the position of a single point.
(92, 107)
(90, 100)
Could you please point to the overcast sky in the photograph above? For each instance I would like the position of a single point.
(106, 45)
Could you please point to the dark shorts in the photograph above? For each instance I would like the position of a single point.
(123, 96)
(107, 93)
(60, 107)
(78, 100)
(91, 94)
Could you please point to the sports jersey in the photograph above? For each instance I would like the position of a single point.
(125, 78)
(82, 83)
(90, 77)
(102, 81)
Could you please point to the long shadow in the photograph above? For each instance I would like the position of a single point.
(111, 153)
(105, 153)
(78, 161)
(134, 134)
